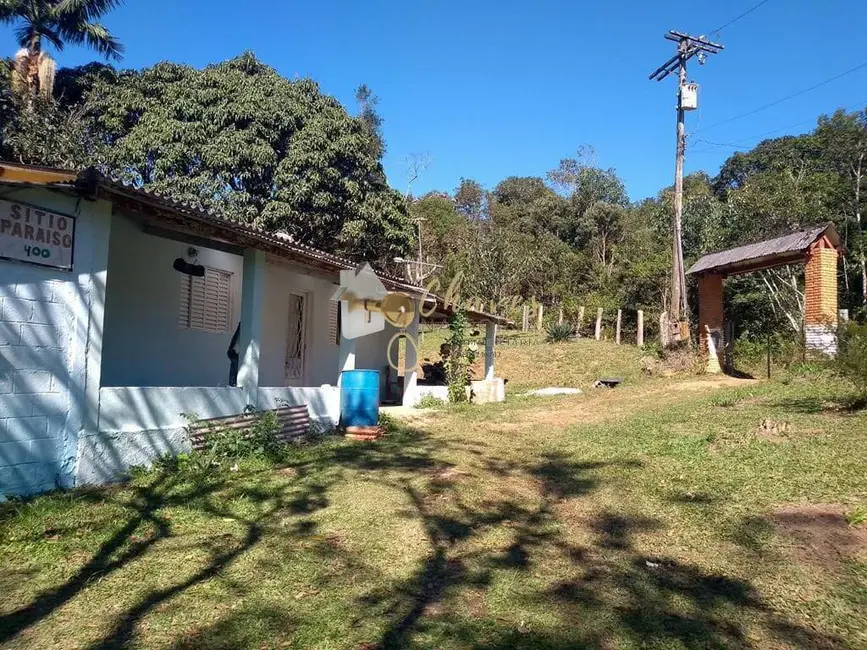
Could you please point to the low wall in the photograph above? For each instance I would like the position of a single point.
(137, 425)
(323, 403)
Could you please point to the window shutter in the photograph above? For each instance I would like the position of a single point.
(206, 302)
(334, 322)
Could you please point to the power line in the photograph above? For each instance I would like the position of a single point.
(740, 142)
(737, 18)
(786, 98)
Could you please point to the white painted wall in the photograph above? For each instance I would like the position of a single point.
(49, 321)
(144, 345)
(138, 425)
(322, 353)
(113, 323)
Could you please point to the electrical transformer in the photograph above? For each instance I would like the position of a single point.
(689, 96)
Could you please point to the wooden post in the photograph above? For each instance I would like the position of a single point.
(525, 323)
(560, 317)
(619, 321)
(539, 317)
(639, 336)
(599, 324)
(580, 319)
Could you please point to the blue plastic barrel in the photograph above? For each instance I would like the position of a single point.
(359, 398)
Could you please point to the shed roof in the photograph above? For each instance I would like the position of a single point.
(766, 254)
(173, 215)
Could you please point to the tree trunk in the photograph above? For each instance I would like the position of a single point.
(33, 52)
(858, 176)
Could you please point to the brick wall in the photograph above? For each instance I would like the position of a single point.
(821, 287)
(710, 310)
(820, 317)
(50, 352)
(35, 341)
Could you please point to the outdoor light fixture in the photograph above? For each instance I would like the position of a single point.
(189, 268)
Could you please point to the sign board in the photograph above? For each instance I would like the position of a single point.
(36, 235)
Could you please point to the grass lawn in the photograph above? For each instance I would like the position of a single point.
(668, 513)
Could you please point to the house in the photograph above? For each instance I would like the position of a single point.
(123, 312)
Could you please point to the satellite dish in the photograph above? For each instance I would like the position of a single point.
(398, 309)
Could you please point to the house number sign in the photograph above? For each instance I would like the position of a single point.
(36, 235)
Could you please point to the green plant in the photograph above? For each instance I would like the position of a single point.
(224, 445)
(857, 517)
(430, 402)
(560, 332)
(461, 353)
(851, 360)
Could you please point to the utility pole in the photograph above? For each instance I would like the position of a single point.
(687, 47)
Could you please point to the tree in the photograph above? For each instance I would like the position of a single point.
(471, 200)
(42, 132)
(372, 120)
(239, 138)
(586, 185)
(441, 225)
(57, 22)
(529, 205)
(606, 234)
(844, 139)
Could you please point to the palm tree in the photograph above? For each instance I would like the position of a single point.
(58, 22)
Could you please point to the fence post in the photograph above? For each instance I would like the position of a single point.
(539, 317)
(619, 321)
(525, 323)
(599, 323)
(580, 319)
(560, 317)
(639, 335)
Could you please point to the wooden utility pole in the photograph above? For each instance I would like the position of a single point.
(687, 47)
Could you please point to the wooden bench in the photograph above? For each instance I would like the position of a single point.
(294, 423)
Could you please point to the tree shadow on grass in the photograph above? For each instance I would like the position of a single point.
(211, 495)
(845, 404)
(608, 593)
(617, 595)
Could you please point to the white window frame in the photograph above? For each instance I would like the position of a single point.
(186, 317)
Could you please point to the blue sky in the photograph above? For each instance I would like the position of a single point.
(493, 89)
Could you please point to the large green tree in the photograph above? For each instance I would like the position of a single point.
(239, 138)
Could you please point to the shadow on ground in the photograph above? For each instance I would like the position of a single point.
(601, 593)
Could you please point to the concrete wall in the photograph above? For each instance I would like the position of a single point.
(94, 368)
(144, 345)
(138, 425)
(50, 321)
(322, 353)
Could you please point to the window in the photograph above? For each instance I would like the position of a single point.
(334, 322)
(206, 303)
(295, 338)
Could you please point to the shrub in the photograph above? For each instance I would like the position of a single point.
(461, 353)
(560, 332)
(851, 361)
(430, 402)
(224, 445)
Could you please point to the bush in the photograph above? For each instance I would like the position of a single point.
(224, 446)
(430, 402)
(560, 332)
(461, 353)
(851, 361)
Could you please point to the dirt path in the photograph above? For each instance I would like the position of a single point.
(596, 405)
